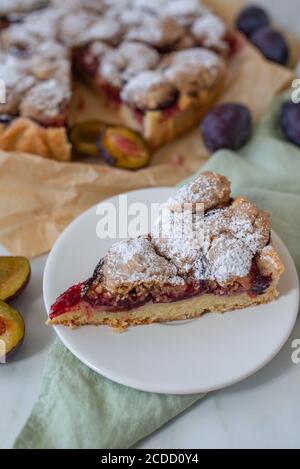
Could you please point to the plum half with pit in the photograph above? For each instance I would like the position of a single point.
(289, 121)
(12, 331)
(251, 19)
(14, 276)
(271, 44)
(123, 148)
(227, 126)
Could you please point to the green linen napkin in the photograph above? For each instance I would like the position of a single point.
(78, 408)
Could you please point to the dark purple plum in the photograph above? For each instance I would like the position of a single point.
(6, 119)
(271, 44)
(260, 284)
(251, 19)
(290, 121)
(227, 126)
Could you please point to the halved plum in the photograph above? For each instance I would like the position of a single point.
(12, 331)
(14, 276)
(84, 137)
(123, 148)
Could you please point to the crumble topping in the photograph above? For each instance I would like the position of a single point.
(149, 90)
(186, 42)
(99, 49)
(135, 262)
(226, 258)
(50, 61)
(44, 101)
(157, 32)
(128, 17)
(51, 50)
(179, 237)
(98, 6)
(184, 11)
(193, 57)
(210, 189)
(37, 27)
(73, 25)
(17, 81)
(154, 6)
(20, 6)
(210, 32)
(104, 29)
(130, 58)
(244, 221)
(217, 246)
(192, 70)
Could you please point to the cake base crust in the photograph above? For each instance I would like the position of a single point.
(190, 308)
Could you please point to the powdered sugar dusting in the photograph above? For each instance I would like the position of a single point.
(144, 81)
(38, 26)
(128, 60)
(157, 32)
(194, 57)
(17, 80)
(218, 245)
(210, 31)
(11, 70)
(227, 258)
(209, 189)
(44, 100)
(104, 29)
(20, 6)
(179, 236)
(193, 70)
(184, 11)
(148, 90)
(136, 262)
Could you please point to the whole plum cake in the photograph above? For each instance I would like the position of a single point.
(159, 65)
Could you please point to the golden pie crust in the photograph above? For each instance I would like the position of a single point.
(25, 135)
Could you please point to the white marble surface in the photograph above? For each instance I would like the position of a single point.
(261, 412)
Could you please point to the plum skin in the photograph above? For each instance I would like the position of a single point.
(271, 44)
(251, 19)
(227, 126)
(289, 121)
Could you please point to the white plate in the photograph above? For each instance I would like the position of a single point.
(187, 357)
